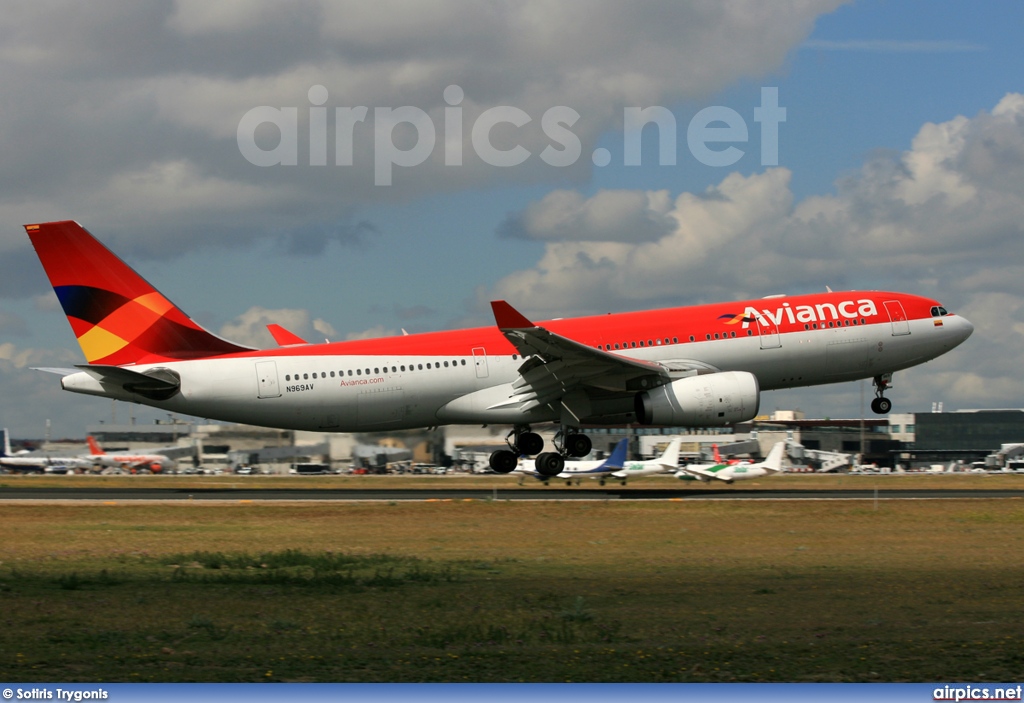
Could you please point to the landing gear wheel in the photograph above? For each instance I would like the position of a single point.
(503, 461)
(578, 445)
(882, 405)
(549, 464)
(529, 443)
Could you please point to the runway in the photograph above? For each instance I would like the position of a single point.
(128, 495)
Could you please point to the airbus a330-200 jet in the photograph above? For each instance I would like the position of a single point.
(696, 366)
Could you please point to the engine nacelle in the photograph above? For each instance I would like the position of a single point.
(701, 401)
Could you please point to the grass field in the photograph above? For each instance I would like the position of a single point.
(514, 591)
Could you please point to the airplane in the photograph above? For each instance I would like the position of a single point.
(39, 462)
(156, 463)
(577, 470)
(736, 472)
(697, 366)
(668, 461)
(699, 472)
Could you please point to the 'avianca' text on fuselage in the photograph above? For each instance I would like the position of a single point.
(819, 312)
(688, 366)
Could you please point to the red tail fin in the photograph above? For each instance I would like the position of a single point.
(116, 315)
(94, 446)
(718, 457)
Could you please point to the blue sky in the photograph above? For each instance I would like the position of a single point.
(135, 138)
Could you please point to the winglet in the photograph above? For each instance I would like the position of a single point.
(283, 337)
(508, 318)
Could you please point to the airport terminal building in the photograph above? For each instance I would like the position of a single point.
(911, 440)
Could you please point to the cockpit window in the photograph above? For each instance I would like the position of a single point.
(939, 311)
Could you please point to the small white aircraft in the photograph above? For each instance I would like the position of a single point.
(669, 461)
(736, 472)
(577, 470)
(39, 462)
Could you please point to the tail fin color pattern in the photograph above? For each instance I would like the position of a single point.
(618, 456)
(116, 315)
(94, 446)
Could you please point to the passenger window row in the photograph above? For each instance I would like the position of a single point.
(375, 370)
(641, 343)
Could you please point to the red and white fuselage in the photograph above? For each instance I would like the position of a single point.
(462, 376)
(698, 366)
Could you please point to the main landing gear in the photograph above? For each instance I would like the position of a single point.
(882, 405)
(525, 442)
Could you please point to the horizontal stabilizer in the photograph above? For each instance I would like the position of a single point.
(155, 384)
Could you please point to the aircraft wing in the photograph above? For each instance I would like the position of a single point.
(556, 365)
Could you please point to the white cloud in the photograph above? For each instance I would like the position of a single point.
(250, 328)
(197, 17)
(610, 215)
(371, 333)
(936, 213)
(945, 218)
(727, 225)
(122, 113)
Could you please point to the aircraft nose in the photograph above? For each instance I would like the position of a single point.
(968, 327)
(964, 328)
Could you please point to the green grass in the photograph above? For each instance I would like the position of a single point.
(510, 591)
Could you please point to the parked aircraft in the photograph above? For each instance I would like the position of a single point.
(699, 472)
(577, 470)
(155, 463)
(668, 461)
(688, 366)
(39, 462)
(736, 472)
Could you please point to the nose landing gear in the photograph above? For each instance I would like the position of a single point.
(882, 405)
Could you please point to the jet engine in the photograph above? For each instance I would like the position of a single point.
(701, 401)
